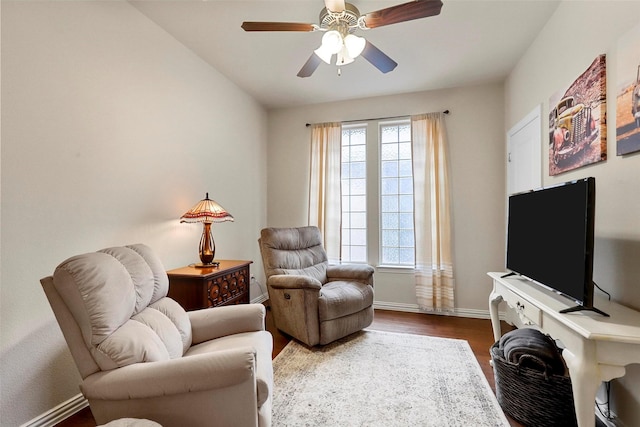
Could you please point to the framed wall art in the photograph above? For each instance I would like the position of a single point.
(628, 97)
(577, 121)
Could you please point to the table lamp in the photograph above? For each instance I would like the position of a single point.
(206, 212)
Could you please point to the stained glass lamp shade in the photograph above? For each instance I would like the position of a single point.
(207, 211)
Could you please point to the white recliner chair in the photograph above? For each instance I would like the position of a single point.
(141, 355)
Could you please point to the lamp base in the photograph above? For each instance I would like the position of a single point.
(214, 264)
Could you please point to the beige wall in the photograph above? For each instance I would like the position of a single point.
(571, 40)
(111, 130)
(476, 140)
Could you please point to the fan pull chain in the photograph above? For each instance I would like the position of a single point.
(339, 71)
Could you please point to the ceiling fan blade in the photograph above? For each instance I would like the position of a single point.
(277, 26)
(310, 66)
(334, 5)
(378, 58)
(403, 12)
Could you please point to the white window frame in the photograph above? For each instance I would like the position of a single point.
(382, 124)
(374, 190)
(351, 213)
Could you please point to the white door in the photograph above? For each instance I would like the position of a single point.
(524, 154)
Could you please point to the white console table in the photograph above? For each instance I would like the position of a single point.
(596, 348)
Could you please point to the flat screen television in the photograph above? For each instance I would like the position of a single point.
(550, 238)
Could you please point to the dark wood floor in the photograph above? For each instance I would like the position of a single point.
(477, 332)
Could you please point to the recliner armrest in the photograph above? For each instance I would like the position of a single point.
(292, 281)
(360, 272)
(200, 372)
(211, 323)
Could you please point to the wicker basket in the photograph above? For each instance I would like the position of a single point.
(531, 397)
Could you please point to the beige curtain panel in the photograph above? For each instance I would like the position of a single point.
(434, 262)
(325, 211)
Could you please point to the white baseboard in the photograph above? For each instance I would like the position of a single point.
(396, 306)
(413, 308)
(59, 413)
(259, 300)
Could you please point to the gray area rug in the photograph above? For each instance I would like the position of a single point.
(383, 379)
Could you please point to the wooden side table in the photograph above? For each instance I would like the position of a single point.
(195, 288)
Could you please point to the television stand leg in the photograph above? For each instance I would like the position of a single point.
(581, 308)
(507, 275)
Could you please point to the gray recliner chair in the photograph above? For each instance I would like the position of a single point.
(312, 301)
(141, 355)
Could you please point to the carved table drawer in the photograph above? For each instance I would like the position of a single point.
(195, 287)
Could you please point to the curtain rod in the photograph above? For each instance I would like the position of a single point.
(376, 118)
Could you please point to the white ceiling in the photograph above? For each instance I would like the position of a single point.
(470, 42)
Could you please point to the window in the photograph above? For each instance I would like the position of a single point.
(383, 235)
(354, 194)
(396, 195)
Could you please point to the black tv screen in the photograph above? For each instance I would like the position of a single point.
(550, 236)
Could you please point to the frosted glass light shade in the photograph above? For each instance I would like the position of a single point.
(323, 54)
(332, 41)
(354, 44)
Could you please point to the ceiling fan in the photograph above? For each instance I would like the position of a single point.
(339, 20)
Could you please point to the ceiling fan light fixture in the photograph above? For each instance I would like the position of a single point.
(354, 45)
(323, 53)
(339, 19)
(332, 41)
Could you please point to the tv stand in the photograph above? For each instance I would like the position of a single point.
(596, 348)
(583, 308)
